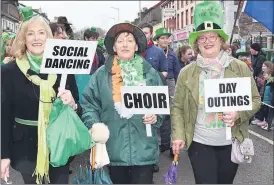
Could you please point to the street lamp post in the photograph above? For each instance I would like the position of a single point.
(112, 18)
(118, 10)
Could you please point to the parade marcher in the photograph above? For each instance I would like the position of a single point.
(156, 57)
(6, 44)
(26, 95)
(243, 56)
(258, 58)
(260, 82)
(267, 98)
(204, 134)
(185, 56)
(92, 35)
(162, 37)
(62, 20)
(132, 154)
(58, 31)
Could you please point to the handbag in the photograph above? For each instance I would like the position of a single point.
(242, 152)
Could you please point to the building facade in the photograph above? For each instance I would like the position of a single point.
(9, 15)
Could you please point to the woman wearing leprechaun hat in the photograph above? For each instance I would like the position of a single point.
(204, 134)
(26, 98)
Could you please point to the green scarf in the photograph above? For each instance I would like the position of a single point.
(46, 93)
(34, 62)
(132, 71)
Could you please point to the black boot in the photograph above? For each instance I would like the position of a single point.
(155, 168)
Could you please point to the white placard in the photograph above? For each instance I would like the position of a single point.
(227, 94)
(68, 56)
(145, 99)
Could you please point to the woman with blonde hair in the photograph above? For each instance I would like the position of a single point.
(27, 97)
(202, 133)
(6, 44)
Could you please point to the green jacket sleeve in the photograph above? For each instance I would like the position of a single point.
(91, 103)
(244, 116)
(177, 110)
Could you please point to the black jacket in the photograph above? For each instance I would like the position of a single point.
(257, 63)
(20, 98)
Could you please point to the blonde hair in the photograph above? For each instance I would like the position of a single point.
(19, 45)
(224, 46)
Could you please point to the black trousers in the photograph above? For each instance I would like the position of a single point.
(131, 174)
(212, 164)
(58, 175)
(263, 113)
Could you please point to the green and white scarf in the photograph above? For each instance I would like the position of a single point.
(34, 62)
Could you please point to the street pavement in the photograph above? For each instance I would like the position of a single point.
(260, 171)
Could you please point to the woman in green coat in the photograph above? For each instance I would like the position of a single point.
(203, 133)
(132, 154)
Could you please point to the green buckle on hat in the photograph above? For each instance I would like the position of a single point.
(208, 25)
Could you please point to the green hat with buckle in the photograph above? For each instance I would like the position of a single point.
(208, 16)
(160, 32)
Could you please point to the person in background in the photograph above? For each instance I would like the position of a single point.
(26, 111)
(267, 66)
(62, 20)
(185, 55)
(132, 154)
(243, 56)
(258, 58)
(58, 31)
(6, 44)
(154, 55)
(92, 35)
(157, 58)
(267, 99)
(162, 38)
(204, 134)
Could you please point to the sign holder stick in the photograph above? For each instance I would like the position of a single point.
(63, 81)
(148, 130)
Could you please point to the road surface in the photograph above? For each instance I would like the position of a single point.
(260, 171)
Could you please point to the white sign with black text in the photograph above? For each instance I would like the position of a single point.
(227, 94)
(145, 99)
(68, 56)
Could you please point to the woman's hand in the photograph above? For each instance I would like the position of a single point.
(5, 169)
(177, 145)
(150, 119)
(229, 118)
(6, 60)
(66, 97)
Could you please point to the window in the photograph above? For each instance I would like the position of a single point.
(178, 21)
(182, 20)
(236, 2)
(191, 1)
(186, 17)
(182, 4)
(164, 24)
(186, 2)
(178, 5)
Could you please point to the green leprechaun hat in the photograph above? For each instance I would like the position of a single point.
(208, 16)
(160, 32)
(27, 13)
(241, 52)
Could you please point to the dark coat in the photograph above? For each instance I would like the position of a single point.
(257, 62)
(19, 98)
